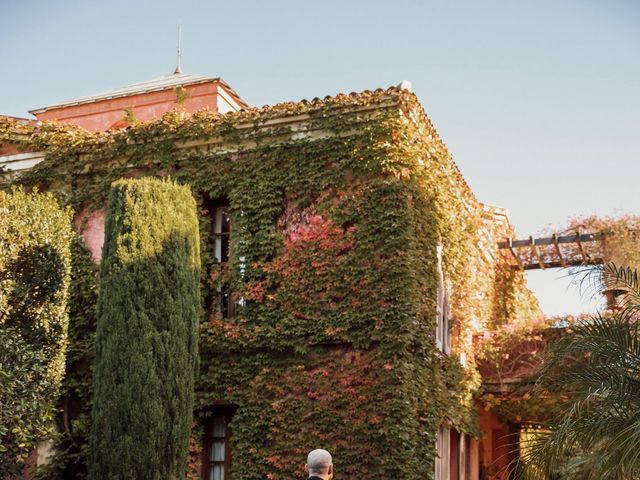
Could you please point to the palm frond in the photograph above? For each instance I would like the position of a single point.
(597, 363)
(595, 279)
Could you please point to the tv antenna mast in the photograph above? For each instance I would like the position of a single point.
(179, 53)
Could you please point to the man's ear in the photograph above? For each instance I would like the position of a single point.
(330, 472)
(306, 468)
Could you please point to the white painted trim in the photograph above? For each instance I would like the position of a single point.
(21, 161)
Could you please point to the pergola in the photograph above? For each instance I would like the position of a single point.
(556, 251)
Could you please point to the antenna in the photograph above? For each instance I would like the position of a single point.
(178, 69)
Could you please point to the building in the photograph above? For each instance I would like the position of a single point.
(121, 107)
(14, 157)
(144, 101)
(348, 266)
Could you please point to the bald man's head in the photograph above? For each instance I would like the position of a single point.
(319, 462)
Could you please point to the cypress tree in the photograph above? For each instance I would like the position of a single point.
(147, 333)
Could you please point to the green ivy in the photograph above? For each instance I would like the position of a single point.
(337, 208)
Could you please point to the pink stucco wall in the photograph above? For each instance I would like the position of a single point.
(91, 227)
(105, 114)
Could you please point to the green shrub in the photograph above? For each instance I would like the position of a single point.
(35, 237)
(26, 409)
(71, 449)
(147, 333)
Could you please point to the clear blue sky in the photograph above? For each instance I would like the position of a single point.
(539, 101)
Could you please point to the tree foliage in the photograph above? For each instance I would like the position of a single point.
(147, 335)
(597, 365)
(71, 449)
(619, 241)
(35, 237)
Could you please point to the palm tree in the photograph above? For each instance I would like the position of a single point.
(598, 364)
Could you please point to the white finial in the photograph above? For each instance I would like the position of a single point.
(405, 85)
(178, 69)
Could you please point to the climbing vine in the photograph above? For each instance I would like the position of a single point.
(618, 237)
(516, 352)
(337, 208)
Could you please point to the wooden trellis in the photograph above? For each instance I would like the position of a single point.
(554, 252)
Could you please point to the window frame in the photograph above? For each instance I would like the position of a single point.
(226, 413)
(218, 208)
(443, 452)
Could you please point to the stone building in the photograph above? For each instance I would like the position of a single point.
(348, 266)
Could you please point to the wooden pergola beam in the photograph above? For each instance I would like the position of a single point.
(582, 237)
(536, 252)
(557, 264)
(563, 262)
(536, 260)
(514, 254)
(585, 256)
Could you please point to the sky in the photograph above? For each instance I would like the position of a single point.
(538, 101)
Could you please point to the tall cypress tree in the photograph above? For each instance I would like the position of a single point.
(147, 333)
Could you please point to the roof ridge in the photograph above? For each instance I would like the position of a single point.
(319, 101)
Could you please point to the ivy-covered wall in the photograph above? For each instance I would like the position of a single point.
(337, 208)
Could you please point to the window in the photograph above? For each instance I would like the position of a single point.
(443, 328)
(443, 444)
(221, 219)
(217, 457)
(221, 231)
(454, 455)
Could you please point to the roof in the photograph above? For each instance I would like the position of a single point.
(157, 84)
(17, 119)
(293, 110)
